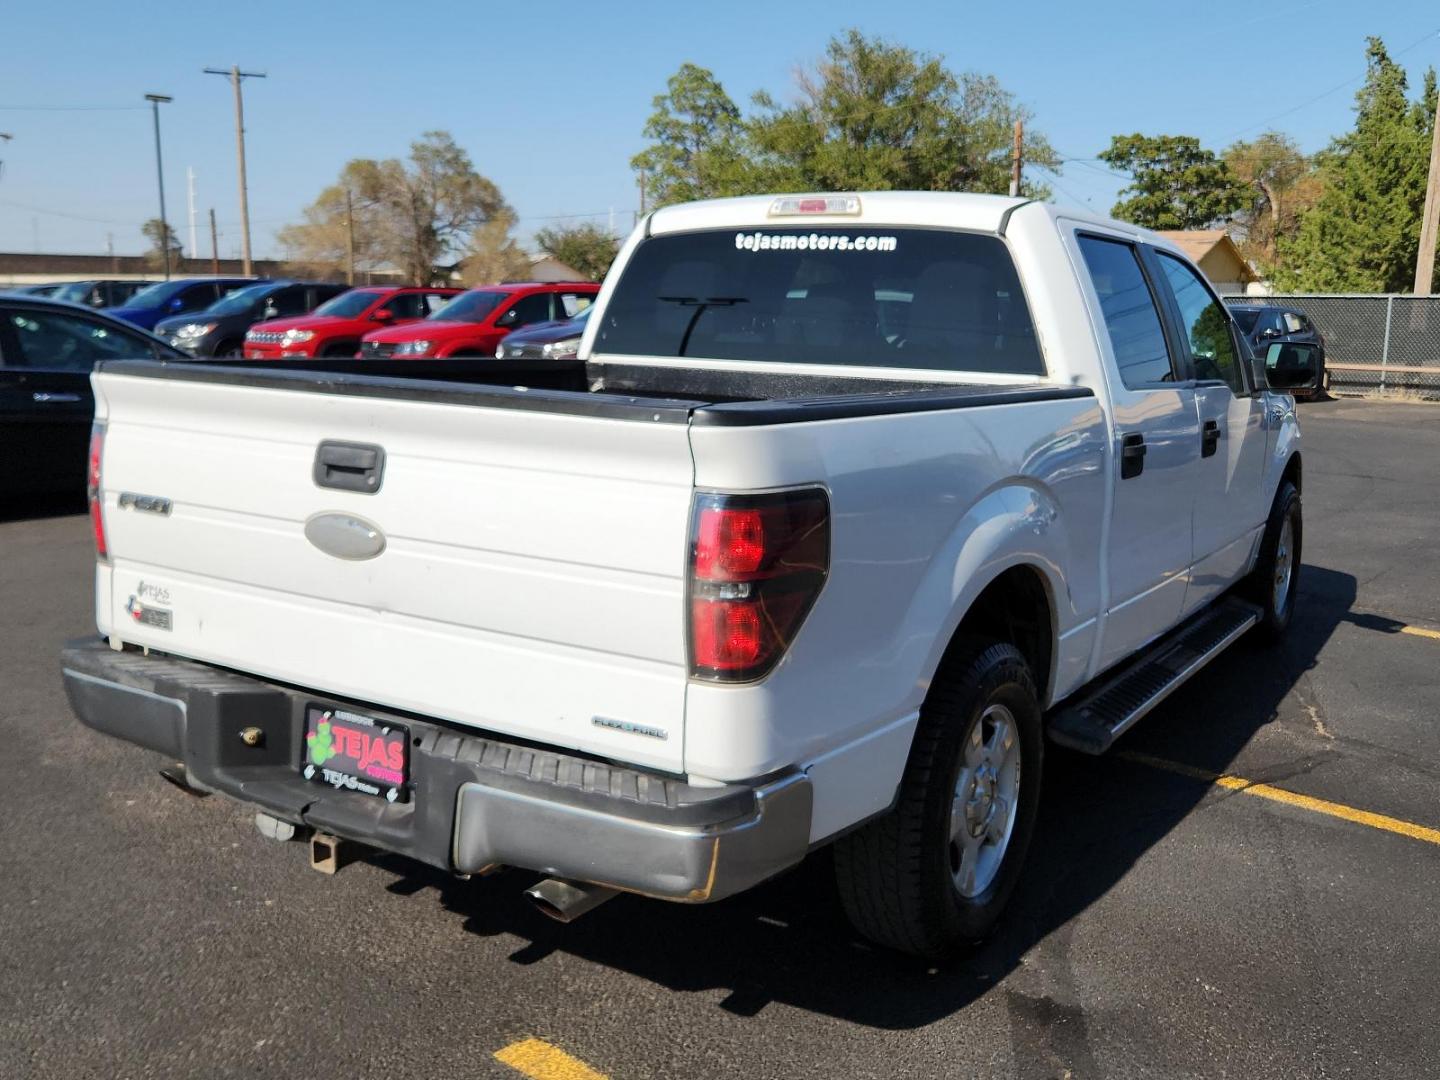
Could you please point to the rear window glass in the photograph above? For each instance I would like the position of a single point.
(898, 298)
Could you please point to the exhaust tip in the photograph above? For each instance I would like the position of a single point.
(566, 901)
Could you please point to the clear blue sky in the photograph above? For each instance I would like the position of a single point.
(550, 100)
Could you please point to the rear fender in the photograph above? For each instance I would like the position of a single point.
(1016, 524)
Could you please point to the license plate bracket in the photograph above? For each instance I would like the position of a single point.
(354, 752)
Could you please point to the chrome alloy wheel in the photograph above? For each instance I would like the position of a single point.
(1284, 564)
(982, 815)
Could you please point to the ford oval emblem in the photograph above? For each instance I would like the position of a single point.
(345, 536)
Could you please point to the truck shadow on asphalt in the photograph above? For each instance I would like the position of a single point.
(788, 941)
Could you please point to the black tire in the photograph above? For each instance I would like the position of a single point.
(896, 874)
(344, 350)
(230, 350)
(1277, 611)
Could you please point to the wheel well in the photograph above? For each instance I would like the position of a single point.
(1292, 471)
(1015, 608)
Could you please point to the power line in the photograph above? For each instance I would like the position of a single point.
(1428, 36)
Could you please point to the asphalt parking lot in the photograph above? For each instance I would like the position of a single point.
(1168, 925)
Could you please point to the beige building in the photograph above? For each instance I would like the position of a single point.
(1216, 254)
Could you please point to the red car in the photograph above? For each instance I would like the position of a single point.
(336, 326)
(473, 323)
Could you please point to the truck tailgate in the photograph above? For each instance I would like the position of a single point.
(531, 580)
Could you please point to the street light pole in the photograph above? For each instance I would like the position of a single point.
(155, 102)
(235, 75)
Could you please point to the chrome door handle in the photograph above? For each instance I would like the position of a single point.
(45, 398)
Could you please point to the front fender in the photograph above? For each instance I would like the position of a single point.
(1282, 423)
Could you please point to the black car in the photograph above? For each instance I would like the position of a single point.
(1264, 325)
(101, 293)
(47, 349)
(219, 330)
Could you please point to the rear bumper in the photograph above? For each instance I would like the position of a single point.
(475, 801)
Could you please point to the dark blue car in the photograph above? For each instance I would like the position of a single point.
(178, 297)
(558, 339)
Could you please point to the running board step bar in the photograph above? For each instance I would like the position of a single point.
(1095, 722)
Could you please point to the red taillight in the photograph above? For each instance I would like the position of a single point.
(728, 543)
(757, 564)
(92, 489)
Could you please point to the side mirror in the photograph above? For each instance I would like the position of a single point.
(175, 303)
(270, 312)
(384, 314)
(1269, 331)
(1290, 367)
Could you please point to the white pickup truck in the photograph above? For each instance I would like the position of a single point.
(848, 503)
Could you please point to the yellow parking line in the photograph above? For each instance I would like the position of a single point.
(539, 1060)
(1291, 798)
(1420, 631)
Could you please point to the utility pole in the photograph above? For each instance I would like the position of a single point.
(349, 239)
(5, 136)
(214, 246)
(235, 75)
(1017, 159)
(1430, 225)
(156, 100)
(641, 177)
(193, 248)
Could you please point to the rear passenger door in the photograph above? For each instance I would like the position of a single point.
(1156, 444)
(1229, 504)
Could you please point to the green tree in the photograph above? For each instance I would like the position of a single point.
(876, 115)
(695, 134)
(870, 115)
(410, 214)
(587, 248)
(493, 254)
(1282, 184)
(1363, 233)
(161, 236)
(1175, 183)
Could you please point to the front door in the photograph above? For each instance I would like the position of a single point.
(1156, 436)
(1230, 507)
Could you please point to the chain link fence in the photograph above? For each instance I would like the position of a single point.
(1373, 342)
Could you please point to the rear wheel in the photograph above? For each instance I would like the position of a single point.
(933, 875)
(230, 350)
(1276, 577)
(340, 350)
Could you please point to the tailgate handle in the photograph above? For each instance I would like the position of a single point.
(348, 466)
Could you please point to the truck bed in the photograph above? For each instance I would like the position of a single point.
(619, 391)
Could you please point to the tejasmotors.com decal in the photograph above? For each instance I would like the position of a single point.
(759, 241)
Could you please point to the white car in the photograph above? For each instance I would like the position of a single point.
(851, 502)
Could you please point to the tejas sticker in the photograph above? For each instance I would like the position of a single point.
(149, 616)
